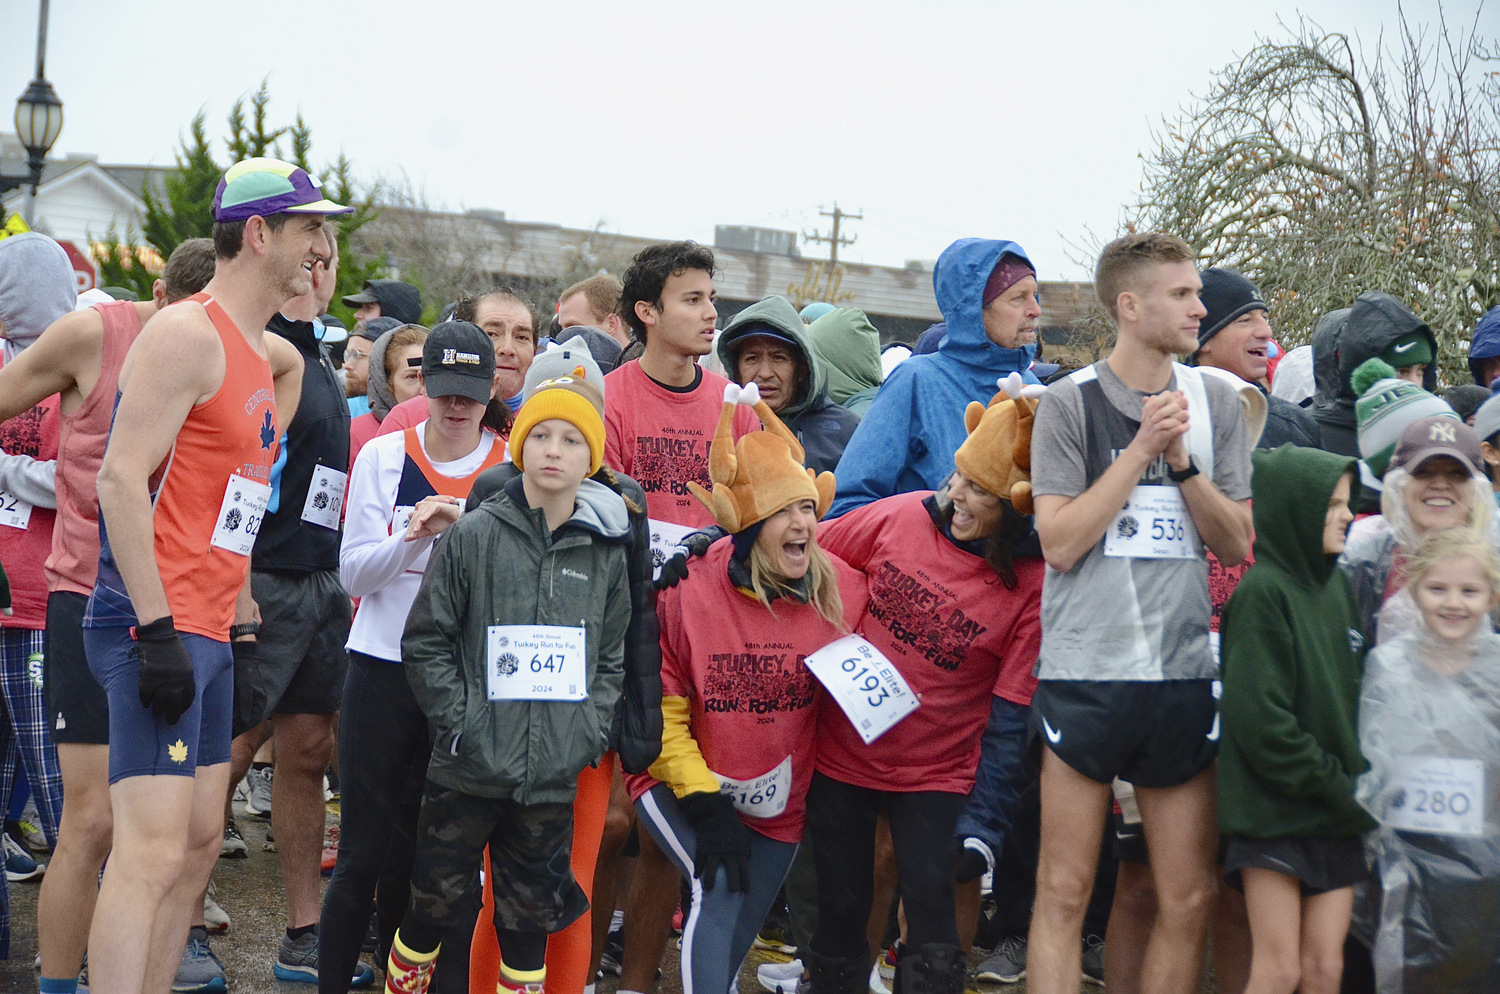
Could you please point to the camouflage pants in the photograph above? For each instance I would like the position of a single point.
(531, 846)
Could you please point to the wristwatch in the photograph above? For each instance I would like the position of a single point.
(1183, 475)
(248, 628)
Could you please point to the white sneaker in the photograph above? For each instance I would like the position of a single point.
(781, 978)
(258, 803)
(877, 985)
(215, 918)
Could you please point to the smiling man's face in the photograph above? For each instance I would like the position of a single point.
(1240, 347)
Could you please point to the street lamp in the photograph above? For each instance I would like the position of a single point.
(39, 116)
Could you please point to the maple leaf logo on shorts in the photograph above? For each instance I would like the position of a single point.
(177, 752)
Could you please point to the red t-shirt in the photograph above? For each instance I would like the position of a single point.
(407, 414)
(754, 702)
(660, 438)
(361, 430)
(31, 433)
(957, 636)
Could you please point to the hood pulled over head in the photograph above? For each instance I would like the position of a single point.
(1290, 489)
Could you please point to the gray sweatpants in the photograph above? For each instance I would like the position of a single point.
(721, 925)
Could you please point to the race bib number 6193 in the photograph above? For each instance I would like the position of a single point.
(866, 685)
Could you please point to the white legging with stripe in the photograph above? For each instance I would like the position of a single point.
(721, 925)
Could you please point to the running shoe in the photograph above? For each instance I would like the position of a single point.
(258, 801)
(297, 963)
(1093, 960)
(29, 829)
(877, 986)
(215, 918)
(613, 952)
(270, 845)
(330, 850)
(233, 846)
(18, 862)
(1007, 964)
(775, 938)
(199, 969)
(782, 978)
(886, 963)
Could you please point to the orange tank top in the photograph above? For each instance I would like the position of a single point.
(208, 501)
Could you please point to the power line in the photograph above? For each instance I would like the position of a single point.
(834, 239)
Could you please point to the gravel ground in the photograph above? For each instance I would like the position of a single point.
(250, 890)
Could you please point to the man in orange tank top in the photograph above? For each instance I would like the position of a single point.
(182, 489)
(78, 357)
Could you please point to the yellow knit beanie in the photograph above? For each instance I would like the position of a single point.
(567, 398)
(997, 453)
(762, 472)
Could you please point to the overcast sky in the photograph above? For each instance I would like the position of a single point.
(938, 119)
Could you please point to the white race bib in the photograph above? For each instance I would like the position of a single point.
(764, 796)
(1439, 796)
(866, 685)
(664, 538)
(1154, 524)
(240, 515)
(325, 497)
(536, 663)
(14, 512)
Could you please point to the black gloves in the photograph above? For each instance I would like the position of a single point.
(249, 688)
(723, 840)
(692, 546)
(972, 859)
(5, 607)
(166, 683)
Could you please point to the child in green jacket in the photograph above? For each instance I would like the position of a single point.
(514, 649)
(1291, 659)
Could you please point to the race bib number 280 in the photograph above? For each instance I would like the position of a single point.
(1438, 795)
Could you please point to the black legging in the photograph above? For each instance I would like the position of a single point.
(841, 823)
(382, 734)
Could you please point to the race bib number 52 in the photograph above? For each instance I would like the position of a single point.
(866, 685)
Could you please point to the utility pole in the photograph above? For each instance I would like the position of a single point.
(834, 239)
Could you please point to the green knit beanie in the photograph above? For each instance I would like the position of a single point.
(1385, 407)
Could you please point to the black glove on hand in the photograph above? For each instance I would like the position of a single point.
(249, 688)
(692, 546)
(723, 840)
(5, 607)
(166, 683)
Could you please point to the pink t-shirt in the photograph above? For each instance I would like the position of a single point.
(31, 433)
(660, 438)
(957, 636)
(754, 702)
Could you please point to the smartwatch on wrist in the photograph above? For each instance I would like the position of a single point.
(240, 631)
(1183, 475)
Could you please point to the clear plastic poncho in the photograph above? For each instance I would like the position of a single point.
(1429, 724)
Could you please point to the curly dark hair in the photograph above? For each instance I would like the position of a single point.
(649, 272)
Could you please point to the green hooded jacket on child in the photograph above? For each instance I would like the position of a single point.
(1292, 656)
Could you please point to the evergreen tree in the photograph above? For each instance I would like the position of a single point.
(187, 209)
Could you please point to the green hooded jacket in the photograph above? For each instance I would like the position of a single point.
(498, 565)
(822, 426)
(848, 346)
(1292, 657)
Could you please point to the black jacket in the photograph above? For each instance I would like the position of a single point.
(318, 435)
(636, 733)
(1288, 423)
(1373, 323)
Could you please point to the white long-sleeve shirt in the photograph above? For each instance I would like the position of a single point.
(376, 563)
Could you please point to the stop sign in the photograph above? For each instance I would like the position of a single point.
(84, 272)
